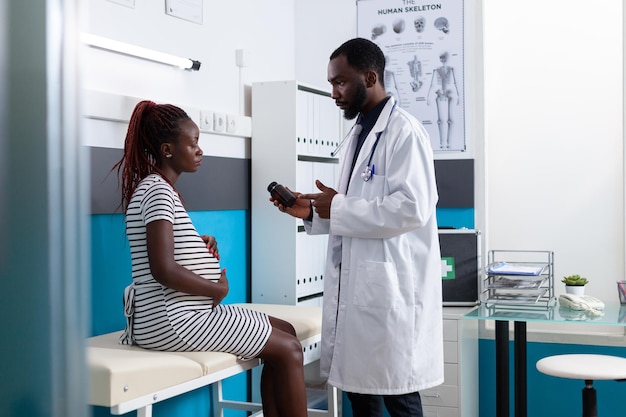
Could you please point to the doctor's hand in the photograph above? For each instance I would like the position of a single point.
(321, 201)
(300, 209)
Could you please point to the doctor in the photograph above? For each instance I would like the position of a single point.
(382, 338)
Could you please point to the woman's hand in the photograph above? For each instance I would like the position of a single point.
(168, 272)
(211, 244)
(221, 289)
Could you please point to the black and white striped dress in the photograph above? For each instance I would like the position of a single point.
(160, 318)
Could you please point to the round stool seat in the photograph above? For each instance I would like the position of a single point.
(589, 367)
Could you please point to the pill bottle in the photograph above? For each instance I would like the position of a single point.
(281, 194)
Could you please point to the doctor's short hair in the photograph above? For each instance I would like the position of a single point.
(364, 55)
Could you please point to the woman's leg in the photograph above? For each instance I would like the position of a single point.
(282, 379)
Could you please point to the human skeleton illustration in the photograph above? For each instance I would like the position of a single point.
(441, 23)
(443, 77)
(378, 30)
(415, 69)
(390, 81)
(398, 25)
(419, 24)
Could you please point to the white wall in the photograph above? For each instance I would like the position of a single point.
(264, 28)
(321, 26)
(554, 139)
(267, 30)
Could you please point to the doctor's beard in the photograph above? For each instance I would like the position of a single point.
(354, 108)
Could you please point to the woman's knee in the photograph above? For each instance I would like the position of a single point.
(292, 346)
(283, 325)
(283, 346)
(297, 348)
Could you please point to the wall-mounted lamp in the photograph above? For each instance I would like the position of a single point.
(137, 51)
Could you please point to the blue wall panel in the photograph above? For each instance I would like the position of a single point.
(110, 272)
(548, 395)
(456, 218)
(231, 229)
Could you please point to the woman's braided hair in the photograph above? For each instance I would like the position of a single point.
(150, 126)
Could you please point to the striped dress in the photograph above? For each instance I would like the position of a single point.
(160, 318)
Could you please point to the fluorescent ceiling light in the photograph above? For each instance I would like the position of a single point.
(139, 52)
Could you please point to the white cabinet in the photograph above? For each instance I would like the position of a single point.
(458, 395)
(294, 130)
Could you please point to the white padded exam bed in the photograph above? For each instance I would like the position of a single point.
(127, 378)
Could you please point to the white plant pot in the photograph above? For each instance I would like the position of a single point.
(575, 289)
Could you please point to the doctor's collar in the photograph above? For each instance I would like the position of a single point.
(368, 120)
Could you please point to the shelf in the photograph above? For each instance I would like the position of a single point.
(516, 283)
(301, 134)
(520, 298)
(516, 269)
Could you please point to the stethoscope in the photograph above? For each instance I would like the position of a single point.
(370, 169)
(355, 130)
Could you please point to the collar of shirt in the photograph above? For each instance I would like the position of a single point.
(367, 122)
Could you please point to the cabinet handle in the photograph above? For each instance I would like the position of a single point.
(434, 395)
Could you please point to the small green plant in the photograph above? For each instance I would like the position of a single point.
(575, 280)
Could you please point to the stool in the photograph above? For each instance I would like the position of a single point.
(588, 368)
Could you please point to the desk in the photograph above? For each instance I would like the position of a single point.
(614, 315)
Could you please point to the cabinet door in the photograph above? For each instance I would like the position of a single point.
(458, 395)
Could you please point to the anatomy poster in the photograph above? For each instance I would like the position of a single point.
(423, 46)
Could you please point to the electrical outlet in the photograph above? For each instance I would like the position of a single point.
(206, 120)
(219, 122)
(231, 123)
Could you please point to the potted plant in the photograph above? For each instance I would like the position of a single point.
(575, 284)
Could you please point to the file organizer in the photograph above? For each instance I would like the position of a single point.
(521, 279)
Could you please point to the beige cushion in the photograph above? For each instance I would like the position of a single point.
(126, 372)
(120, 373)
(212, 362)
(306, 320)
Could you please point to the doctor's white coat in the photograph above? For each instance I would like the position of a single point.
(382, 315)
